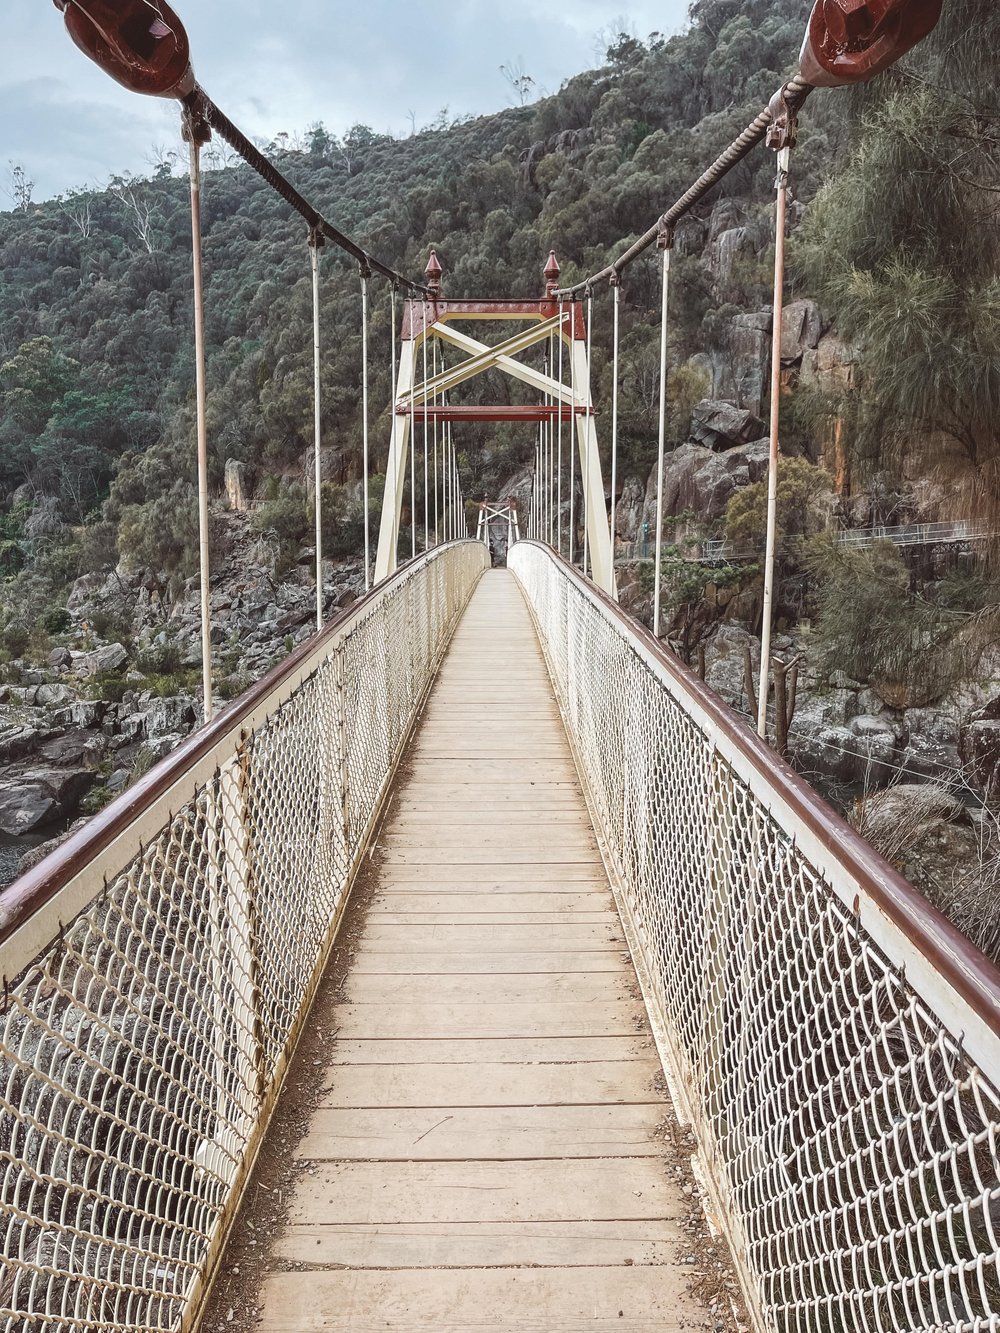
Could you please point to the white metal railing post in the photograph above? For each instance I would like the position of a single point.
(616, 287)
(316, 243)
(782, 137)
(366, 487)
(665, 245)
(198, 134)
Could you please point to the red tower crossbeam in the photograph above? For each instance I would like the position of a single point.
(525, 412)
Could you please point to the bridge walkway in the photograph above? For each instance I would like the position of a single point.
(487, 1149)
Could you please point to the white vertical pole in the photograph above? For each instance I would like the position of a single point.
(201, 394)
(665, 244)
(763, 689)
(364, 416)
(590, 397)
(559, 469)
(572, 431)
(427, 497)
(437, 438)
(316, 241)
(413, 444)
(614, 417)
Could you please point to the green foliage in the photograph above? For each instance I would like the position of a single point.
(800, 484)
(56, 620)
(875, 628)
(904, 245)
(110, 686)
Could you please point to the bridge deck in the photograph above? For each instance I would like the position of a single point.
(487, 1150)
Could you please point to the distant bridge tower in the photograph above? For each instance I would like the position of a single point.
(435, 317)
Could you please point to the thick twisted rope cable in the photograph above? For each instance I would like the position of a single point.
(795, 93)
(199, 104)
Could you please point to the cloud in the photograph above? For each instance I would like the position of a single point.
(282, 67)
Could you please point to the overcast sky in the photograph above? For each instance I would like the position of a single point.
(281, 66)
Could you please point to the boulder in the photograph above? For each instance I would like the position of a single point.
(701, 481)
(801, 330)
(17, 742)
(237, 490)
(26, 807)
(741, 365)
(84, 715)
(112, 657)
(53, 696)
(724, 252)
(628, 511)
(60, 659)
(721, 426)
(76, 747)
(169, 717)
(831, 366)
(45, 519)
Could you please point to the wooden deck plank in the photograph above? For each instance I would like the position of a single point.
(451, 963)
(484, 1151)
(547, 1300)
(484, 1133)
(482, 1244)
(617, 1082)
(484, 987)
(494, 1051)
(413, 1021)
(587, 1190)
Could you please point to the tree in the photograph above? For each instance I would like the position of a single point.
(522, 85)
(20, 188)
(904, 246)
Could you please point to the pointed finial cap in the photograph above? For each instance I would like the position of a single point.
(551, 274)
(433, 272)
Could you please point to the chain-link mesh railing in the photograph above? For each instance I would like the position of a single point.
(153, 994)
(833, 1042)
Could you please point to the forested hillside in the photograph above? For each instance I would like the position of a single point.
(95, 313)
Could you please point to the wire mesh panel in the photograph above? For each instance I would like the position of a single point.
(142, 1045)
(833, 1041)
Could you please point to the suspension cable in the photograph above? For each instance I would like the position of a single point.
(196, 139)
(316, 243)
(666, 244)
(200, 106)
(617, 289)
(793, 94)
(364, 411)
